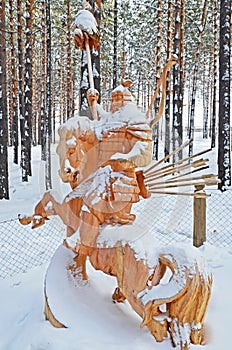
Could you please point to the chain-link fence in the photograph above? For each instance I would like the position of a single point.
(22, 248)
(169, 217)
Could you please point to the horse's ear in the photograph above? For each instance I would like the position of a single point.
(69, 134)
(62, 132)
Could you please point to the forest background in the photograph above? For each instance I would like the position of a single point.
(44, 79)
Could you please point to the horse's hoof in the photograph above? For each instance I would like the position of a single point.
(118, 296)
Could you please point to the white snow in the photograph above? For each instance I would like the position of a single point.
(86, 21)
(137, 150)
(129, 114)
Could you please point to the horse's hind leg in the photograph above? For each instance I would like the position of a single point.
(118, 296)
(79, 266)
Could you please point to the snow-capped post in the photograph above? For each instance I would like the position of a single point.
(199, 226)
(86, 37)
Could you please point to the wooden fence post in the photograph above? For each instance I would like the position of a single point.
(199, 225)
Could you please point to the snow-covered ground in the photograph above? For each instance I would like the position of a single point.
(96, 323)
(100, 324)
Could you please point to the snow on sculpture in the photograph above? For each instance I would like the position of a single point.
(107, 162)
(86, 23)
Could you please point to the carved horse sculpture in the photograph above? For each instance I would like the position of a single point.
(100, 159)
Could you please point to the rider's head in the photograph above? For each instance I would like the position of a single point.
(121, 95)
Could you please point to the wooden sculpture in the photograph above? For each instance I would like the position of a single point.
(103, 161)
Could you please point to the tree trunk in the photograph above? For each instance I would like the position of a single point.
(48, 181)
(84, 86)
(14, 88)
(95, 55)
(158, 50)
(34, 97)
(61, 79)
(206, 90)
(178, 81)
(215, 73)
(224, 157)
(43, 81)
(23, 132)
(53, 92)
(28, 85)
(123, 74)
(138, 86)
(168, 86)
(182, 71)
(115, 63)
(4, 186)
(69, 65)
(195, 77)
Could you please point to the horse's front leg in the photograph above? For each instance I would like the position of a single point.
(43, 209)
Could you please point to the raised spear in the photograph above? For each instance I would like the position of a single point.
(86, 37)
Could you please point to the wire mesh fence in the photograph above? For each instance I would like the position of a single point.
(22, 248)
(219, 218)
(169, 217)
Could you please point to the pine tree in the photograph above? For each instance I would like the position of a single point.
(68, 65)
(168, 86)
(115, 64)
(14, 87)
(61, 80)
(178, 89)
(95, 54)
(207, 91)
(23, 132)
(34, 92)
(158, 51)
(224, 157)
(48, 181)
(28, 86)
(195, 76)
(215, 72)
(42, 85)
(4, 186)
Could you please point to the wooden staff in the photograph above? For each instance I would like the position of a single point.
(173, 169)
(88, 55)
(209, 182)
(195, 194)
(156, 174)
(168, 156)
(197, 178)
(192, 171)
(90, 71)
(183, 160)
(86, 37)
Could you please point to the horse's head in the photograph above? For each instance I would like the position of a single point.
(85, 145)
(76, 141)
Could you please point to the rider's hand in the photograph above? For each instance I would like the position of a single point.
(92, 96)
